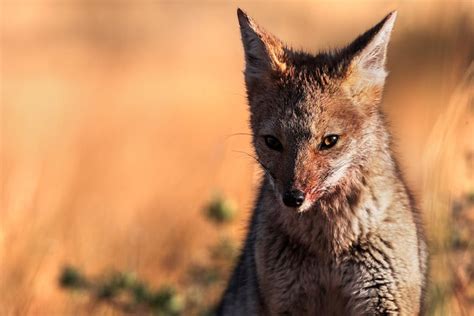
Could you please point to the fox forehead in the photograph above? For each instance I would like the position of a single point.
(302, 110)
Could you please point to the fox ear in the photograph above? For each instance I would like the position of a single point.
(264, 53)
(366, 72)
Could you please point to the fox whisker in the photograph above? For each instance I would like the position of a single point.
(267, 171)
(237, 134)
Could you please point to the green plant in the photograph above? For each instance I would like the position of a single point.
(220, 210)
(124, 292)
(201, 288)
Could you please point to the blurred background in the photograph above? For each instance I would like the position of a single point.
(123, 123)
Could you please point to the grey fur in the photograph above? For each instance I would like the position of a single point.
(358, 249)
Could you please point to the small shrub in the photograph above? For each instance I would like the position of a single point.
(202, 286)
(220, 210)
(123, 291)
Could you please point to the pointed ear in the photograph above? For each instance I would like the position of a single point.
(264, 53)
(366, 72)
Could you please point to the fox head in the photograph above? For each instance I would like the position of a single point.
(315, 118)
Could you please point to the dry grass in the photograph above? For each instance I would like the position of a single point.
(449, 203)
(117, 124)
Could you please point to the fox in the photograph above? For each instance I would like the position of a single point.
(335, 229)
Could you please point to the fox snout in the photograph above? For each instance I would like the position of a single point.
(293, 197)
(302, 190)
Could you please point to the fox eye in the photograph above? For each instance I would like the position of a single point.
(328, 142)
(273, 143)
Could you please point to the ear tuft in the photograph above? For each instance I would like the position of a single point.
(366, 73)
(243, 17)
(264, 53)
(372, 58)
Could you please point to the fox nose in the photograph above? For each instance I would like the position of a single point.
(293, 198)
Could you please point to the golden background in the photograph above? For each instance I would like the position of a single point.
(120, 119)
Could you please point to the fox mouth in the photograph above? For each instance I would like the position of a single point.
(309, 201)
(312, 197)
(313, 191)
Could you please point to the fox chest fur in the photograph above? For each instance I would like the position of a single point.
(361, 271)
(299, 284)
(334, 230)
(367, 262)
(300, 287)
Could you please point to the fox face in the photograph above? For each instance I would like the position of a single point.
(315, 118)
